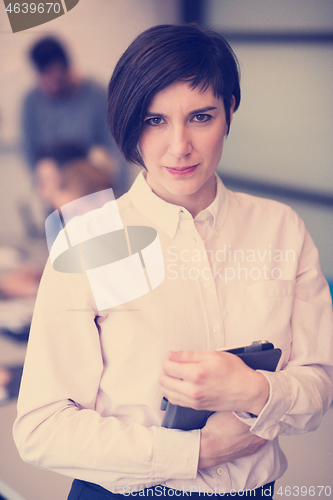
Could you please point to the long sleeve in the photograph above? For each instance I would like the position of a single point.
(302, 391)
(58, 427)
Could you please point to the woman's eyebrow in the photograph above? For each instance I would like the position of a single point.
(151, 113)
(194, 112)
(202, 110)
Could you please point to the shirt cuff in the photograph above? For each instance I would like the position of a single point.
(177, 454)
(267, 424)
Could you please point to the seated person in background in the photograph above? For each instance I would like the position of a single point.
(63, 107)
(64, 173)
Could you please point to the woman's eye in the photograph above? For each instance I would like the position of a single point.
(156, 120)
(202, 118)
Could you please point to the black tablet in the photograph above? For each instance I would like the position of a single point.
(258, 356)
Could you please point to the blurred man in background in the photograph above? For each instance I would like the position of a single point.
(63, 107)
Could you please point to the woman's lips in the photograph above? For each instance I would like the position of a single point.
(181, 171)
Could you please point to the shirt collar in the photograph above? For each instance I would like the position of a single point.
(166, 215)
(217, 210)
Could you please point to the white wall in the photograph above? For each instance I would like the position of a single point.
(283, 129)
(271, 14)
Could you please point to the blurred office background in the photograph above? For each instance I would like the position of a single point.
(280, 146)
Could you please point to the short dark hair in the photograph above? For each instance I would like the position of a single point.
(47, 51)
(157, 58)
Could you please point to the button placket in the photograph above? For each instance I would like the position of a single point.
(222, 478)
(194, 243)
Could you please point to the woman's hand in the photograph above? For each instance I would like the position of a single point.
(212, 380)
(225, 438)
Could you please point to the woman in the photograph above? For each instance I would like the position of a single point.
(237, 269)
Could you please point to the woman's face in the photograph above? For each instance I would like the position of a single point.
(181, 144)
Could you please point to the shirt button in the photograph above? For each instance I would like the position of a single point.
(216, 328)
(207, 284)
(220, 471)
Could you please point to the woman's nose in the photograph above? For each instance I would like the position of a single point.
(180, 143)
